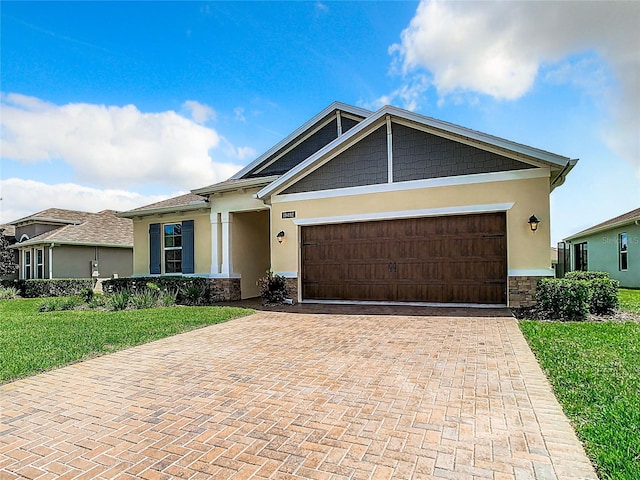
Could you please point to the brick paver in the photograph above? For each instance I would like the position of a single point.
(290, 396)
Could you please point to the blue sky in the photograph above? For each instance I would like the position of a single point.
(119, 104)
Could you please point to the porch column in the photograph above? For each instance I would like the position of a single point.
(227, 224)
(215, 244)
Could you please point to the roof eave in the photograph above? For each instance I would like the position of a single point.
(594, 230)
(30, 243)
(239, 185)
(164, 210)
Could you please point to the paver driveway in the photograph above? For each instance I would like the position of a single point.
(284, 395)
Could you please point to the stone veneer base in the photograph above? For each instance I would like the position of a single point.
(522, 291)
(224, 289)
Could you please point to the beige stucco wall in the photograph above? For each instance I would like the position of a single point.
(251, 258)
(526, 250)
(202, 240)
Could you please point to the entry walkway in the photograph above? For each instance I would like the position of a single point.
(291, 396)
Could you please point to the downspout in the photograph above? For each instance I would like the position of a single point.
(51, 261)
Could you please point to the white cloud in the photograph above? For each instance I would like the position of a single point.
(200, 113)
(408, 96)
(111, 146)
(499, 49)
(21, 198)
(239, 114)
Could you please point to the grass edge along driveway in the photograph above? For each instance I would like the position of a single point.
(594, 368)
(32, 342)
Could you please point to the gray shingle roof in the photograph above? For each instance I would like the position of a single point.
(57, 215)
(181, 202)
(625, 218)
(102, 228)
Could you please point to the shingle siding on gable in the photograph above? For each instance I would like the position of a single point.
(362, 164)
(347, 124)
(311, 145)
(419, 155)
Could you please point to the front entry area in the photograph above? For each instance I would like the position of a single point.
(448, 259)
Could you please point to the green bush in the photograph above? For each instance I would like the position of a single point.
(604, 296)
(603, 290)
(8, 293)
(585, 275)
(273, 289)
(17, 284)
(187, 288)
(562, 299)
(168, 298)
(145, 298)
(61, 303)
(57, 287)
(119, 300)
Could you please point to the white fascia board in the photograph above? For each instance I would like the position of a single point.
(300, 130)
(426, 212)
(415, 185)
(164, 210)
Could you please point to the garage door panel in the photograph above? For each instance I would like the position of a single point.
(441, 259)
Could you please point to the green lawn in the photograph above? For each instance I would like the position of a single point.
(629, 299)
(594, 368)
(33, 342)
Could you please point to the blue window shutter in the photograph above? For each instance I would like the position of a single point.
(187, 247)
(155, 253)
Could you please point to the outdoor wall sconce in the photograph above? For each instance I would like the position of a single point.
(533, 223)
(280, 236)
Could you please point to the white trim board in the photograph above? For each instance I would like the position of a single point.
(542, 272)
(405, 304)
(415, 185)
(428, 212)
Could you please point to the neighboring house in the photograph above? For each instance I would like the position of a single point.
(367, 206)
(9, 267)
(612, 246)
(58, 243)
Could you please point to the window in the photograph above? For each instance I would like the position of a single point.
(27, 265)
(40, 263)
(622, 251)
(172, 248)
(581, 262)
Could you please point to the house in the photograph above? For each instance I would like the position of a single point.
(56, 243)
(355, 205)
(612, 246)
(8, 256)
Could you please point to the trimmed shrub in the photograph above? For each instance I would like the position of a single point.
(273, 289)
(604, 296)
(57, 287)
(604, 291)
(562, 299)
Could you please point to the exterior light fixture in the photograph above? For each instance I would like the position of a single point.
(533, 223)
(280, 236)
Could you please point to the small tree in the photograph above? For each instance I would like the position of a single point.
(7, 264)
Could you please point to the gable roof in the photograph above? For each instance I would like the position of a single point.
(233, 184)
(181, 203)
(619, 221)
(97, 229)
(300, 131)
(558, 165)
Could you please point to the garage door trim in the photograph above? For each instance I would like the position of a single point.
(397, 215)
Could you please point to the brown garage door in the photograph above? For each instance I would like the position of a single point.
(459, 259)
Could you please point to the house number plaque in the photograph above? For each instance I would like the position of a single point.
(289, 214)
